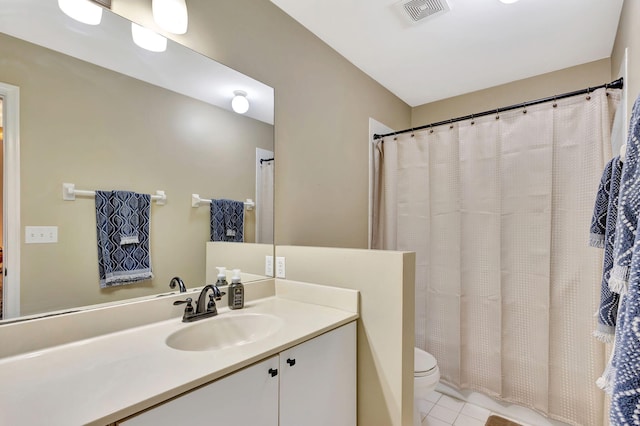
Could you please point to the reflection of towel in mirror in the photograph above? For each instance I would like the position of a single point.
(125, 216)
(119, 263)
(227, 220)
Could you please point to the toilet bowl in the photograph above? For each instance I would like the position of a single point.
(426, 376)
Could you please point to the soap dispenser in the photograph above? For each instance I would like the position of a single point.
(236, 291)
(222, 276)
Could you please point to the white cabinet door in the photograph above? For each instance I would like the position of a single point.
(246, 398)
(318, 380)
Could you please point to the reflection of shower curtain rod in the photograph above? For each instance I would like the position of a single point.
(262, 160)
(617, 84)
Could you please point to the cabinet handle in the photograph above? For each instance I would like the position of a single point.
(273, 372)
(291, 362)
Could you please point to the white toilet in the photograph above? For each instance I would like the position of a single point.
(426, 376)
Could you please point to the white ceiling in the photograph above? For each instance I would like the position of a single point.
(476, 45)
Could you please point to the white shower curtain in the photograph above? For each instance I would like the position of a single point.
(498, 210)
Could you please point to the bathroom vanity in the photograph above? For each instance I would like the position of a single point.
(312, 383)
(286, 359)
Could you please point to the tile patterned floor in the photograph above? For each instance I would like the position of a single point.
(443, 410)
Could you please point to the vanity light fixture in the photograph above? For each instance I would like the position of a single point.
(240, 104)
(148, 39)
(83, 11)
(171, 15)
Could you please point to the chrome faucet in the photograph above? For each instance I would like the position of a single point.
(178, 280)
(203, 308)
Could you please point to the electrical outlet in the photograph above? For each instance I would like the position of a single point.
(40, 234)
(268, 266)
(280, 272)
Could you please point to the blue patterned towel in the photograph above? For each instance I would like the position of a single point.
(120, 264)
(601, 208)
(607, 194)
(227, 220)
(125, 216)
(625, 366)
(628, 207)
(625, 401)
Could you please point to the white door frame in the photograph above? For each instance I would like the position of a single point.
(11, 200)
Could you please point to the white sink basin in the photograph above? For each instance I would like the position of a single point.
(224, 331)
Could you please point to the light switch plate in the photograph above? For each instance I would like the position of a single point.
(40, 234)
(280, 271)
(268, 266)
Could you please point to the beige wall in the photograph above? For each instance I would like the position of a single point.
(628, 37)
(541, 86)
(79, 124)
(323, 105)
(386, 282)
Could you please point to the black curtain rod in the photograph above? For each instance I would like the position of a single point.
(262, 160)
(617, 84)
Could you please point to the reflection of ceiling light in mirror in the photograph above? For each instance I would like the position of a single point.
(240, 104)
(171, 15)
(83, 11)
(148, 39)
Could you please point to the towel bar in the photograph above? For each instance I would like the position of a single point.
(69, 193)
(196, 201)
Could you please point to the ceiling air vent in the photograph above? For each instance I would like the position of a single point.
(418, 10)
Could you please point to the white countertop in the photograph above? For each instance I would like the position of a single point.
(104, 379)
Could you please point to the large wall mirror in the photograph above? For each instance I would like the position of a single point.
(104, 114)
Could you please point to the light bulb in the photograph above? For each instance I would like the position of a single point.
(83, 11)
(240, 104)
(171, 15)
(148, 39)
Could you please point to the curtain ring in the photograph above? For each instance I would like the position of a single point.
(430, 129)
(451, 124)
(555, 104)
(472, 120)
(497, 113)
(588, 93)
(524, 108)
(412, 134)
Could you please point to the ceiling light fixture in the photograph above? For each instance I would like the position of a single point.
(508, 1)
(171, 15)
(148, 39)
(83, 11)
(240, 104)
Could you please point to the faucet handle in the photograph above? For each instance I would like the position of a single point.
(211, 306)
(217, 293)
(188, 308)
